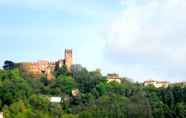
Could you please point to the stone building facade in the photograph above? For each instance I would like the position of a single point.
(36, 69)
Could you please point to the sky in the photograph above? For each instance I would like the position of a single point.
(138, 39)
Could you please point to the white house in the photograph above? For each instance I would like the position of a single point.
(55, 99)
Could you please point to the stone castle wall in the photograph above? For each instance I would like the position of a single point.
(38, 68)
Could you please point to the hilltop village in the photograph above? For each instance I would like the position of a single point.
(44, 67)
(62, 89)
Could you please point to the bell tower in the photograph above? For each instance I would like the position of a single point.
(68, 59)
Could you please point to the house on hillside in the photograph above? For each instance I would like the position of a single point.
(113, 78)
(157, 84)
(55, 99)
(75, 92)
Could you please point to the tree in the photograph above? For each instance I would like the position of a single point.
(13, 90)
(55, 109)
(9, 65)
(39, 102)
(86, 81)
(18, 110)
(44, 79)
(139, 106)
(180, 110)
(25, 97)
(113, 106)
(62, 85)
(61, 71)
(102, 88)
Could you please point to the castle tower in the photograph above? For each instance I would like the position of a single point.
(68, 59)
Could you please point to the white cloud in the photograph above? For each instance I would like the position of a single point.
(147, 34)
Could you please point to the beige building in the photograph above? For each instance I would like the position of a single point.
(1, 115)
(157, 84)
(75, 92)
(113, 78)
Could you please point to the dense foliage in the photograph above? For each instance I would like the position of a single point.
(24, 97)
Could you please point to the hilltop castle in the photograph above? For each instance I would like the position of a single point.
(36, 69)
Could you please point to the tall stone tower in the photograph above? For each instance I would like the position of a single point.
(68, 59)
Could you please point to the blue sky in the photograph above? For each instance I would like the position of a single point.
(140, 39)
